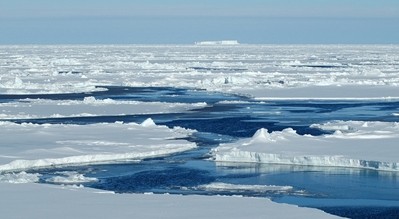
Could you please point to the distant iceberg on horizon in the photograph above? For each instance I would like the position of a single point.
(221, 42)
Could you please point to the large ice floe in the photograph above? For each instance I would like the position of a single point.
(25, 146)
(48, 201)
(372, 145)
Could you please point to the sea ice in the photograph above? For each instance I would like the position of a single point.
(260, 71)
(265, 71)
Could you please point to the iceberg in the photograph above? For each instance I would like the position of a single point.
(221, 42)
(148, 123)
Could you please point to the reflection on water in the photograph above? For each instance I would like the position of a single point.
(347, 192)
(323, 182)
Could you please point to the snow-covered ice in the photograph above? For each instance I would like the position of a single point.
(47, 201)
(372, 145)
(25, 146)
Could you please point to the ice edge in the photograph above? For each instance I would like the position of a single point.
(327, 161)
(19, 165)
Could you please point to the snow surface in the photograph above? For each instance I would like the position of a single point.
(46, 201)
(25, 146)
(372, 145)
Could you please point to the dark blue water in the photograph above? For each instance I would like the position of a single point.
(146, 94)
(354, 193)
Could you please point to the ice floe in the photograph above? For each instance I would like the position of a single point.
(372, 145)
(70, 177)
(26, 146)
(327, 92)
(21, 177)
(48, 201)
(218, 186)
(90, 106)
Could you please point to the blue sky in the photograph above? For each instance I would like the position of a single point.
(185, 21)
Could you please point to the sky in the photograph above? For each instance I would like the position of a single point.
(188, 21)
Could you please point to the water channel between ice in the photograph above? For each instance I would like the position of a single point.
(228, 118)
